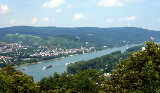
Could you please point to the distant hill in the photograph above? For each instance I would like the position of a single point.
(75, 37)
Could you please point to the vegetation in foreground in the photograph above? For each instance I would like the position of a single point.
(137, 74)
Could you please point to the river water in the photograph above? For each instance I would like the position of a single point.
(59, 65)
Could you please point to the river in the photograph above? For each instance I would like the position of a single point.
(36, 71)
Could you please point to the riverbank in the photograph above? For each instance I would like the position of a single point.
(59, 66)
(45, 61)
(54, 59)
(58, 58)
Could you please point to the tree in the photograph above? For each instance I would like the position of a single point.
(139, 73)
(88, 81)
(14, 81)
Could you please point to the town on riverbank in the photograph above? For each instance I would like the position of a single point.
(18, 54)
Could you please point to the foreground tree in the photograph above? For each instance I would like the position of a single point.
(88, 81)
(13, 81)
(138, 74)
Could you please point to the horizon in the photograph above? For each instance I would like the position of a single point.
(90, 13)
(78, 27)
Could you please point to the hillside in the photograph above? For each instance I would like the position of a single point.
(78, 36)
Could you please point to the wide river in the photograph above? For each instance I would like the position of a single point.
(59, 65)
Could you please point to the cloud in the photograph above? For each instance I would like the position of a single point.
(116, 3)
(158, 20)
(12, 21)
(129, 18)
(4, 9)
(79, 16)
(34, 20)
(132, 1)
(69, 6)
(108, 20)
(58, 10)
(53, 3)
(53, 20)
(110, 3)
(46, 19)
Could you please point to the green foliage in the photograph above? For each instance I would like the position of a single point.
(105, 63)
(13, 81)
(33, 40)
(139, 73)
(81, 82)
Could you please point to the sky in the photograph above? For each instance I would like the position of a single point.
(81, 13)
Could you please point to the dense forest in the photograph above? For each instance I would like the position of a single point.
(138, 73)
(60, 37)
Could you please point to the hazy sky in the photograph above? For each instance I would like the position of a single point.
(90, 13)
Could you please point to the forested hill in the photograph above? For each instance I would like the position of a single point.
(79, 31)
(96, 37)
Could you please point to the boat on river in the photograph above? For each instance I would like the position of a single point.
(47, 67)
(69, 63)
(24, 69)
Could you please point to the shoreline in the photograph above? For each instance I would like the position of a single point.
(26, 64)
(44, 61)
